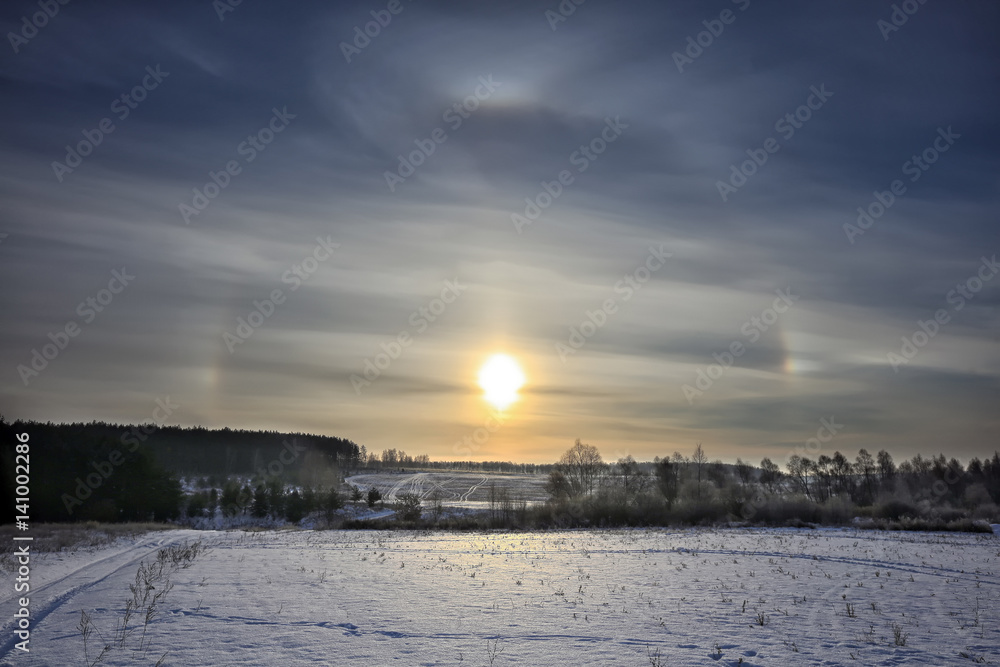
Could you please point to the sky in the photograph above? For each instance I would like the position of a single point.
(769, 228)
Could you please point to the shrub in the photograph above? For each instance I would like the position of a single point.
(103, 511)
(836, 511)
(895, 509)
(987, 512)
(933, 525)
(604, 510)
(778, 511)
(408, 507)
(701, 513)
(198, 503)
(948, 514)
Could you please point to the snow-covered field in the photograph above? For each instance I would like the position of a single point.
(620, 597)
(460, 489)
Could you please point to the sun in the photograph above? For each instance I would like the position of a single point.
(501, 377)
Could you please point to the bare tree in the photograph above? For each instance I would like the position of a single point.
(633, 479)
(668, 479)
(841, 470)
(867, 469)
(886, 468)
(717, 473)
(581, 464)
(699, 460)
(744, 471)
(770, 475)
(558, 485)
(799, 468)
(823, 477)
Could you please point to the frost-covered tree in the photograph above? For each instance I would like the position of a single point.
(886, 467)
(799, 468)
(631, 477)
(867, 471)
(770, 475)
(668, 480)
(699, 460)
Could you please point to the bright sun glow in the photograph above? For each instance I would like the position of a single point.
(501, 377)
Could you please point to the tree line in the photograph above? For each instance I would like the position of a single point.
(200, 451)
(80, 473)
(929, 492)
(107, 472)
(113, 472)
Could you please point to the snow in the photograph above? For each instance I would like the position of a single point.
(457, 490)
(613, 597)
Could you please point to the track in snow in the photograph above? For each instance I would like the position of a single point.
(47, 597)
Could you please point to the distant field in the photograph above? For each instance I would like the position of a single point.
(460, 489)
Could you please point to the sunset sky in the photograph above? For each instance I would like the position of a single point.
(614, 206)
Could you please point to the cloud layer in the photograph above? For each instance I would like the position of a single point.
(551, 163)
